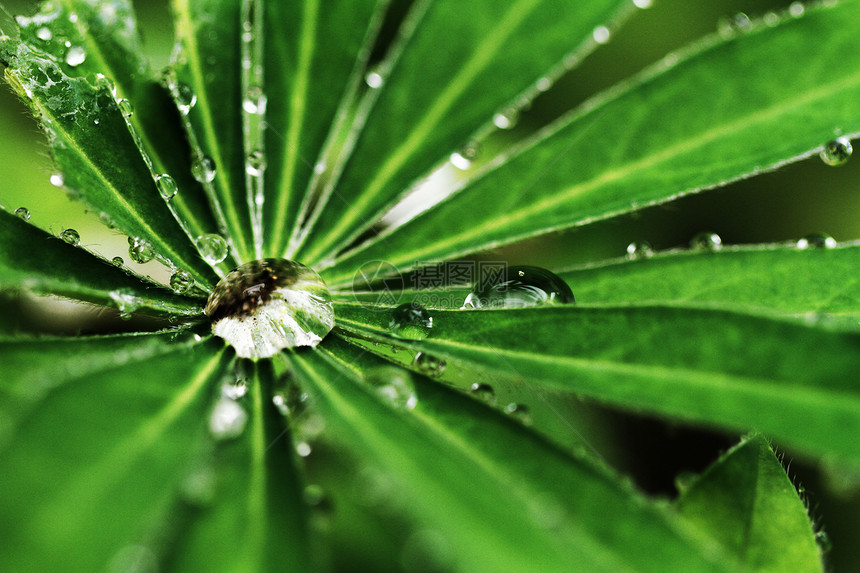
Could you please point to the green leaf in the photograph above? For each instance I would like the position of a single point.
(747, 502)
(522, 505)
(433, 99)
(714, 367)
(314, 58)
(107, 33)
(33, 260)
(94, 149)
(208, 82)
(765, 278)
(256, 503)
(654, 139)
(92, 476)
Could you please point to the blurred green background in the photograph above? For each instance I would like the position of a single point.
(784, 205)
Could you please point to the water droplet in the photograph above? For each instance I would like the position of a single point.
(411, 321)
(117, 261)
(796, 9)
(44, 33)
(836, 152)
(520, 412)
(304, 449)
(601, 34)
(57, 180)
(255, 164)
(824, 541)
(483, 391)
(203, 169)
(126, 108)
(706, 242)
(76, 56)
(185, 97)
(374, 79)
(543, 84)
(264, 306)
(255, 100)
(639, 250)
(71, 237)
(429, 364)
(228, 420)
(181, 281)
(816, 241)
(394, 385)
(235, 389)
(126, 303)
(506, 119)
(166, 186)
(139, 250)
(23, 213)
(520, 286)
(212, 247)
(643, 3)
(463, 157)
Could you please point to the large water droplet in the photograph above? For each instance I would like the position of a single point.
(126, 108)
(203, 169)
(181, 281)
(639, 250)
(23, 213)
(706, 242)
(139, 250)
(71, 236)
(212, 247)
(411, 321)
(76, 56)
(520, 286)
(837, 152)
(228, 419)
(816, 241)
(255, 163)
(429, 364)
(185, 98)
(394, 385)
(264, 306)
(166, 186)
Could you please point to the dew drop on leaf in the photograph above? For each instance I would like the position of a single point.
(23, 213)
(639, 250)
(601, 34)
(185, 98)
(518, 287)
(44, 33)
(706, 242)
(71, 236)
(506, 119)
(117, 261)
(411, 321)
(483, 391)
(429, 364)
(836, 152)
(228, 420)
(181, 281)
(167, 187)
(374, 79)
(76, 56)
(126, 108)
(642, 3)
(203, 169)
(265, 306)
(394, 385)
(254, 101)
(139, 250)
(462, 158)
(520, 412)
(255, 163)
(212, 247)
(57, 180)
(816, 241)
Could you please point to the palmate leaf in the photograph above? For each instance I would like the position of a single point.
(741, 100)
(793, 382)
(746, 501)
(495, 516)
